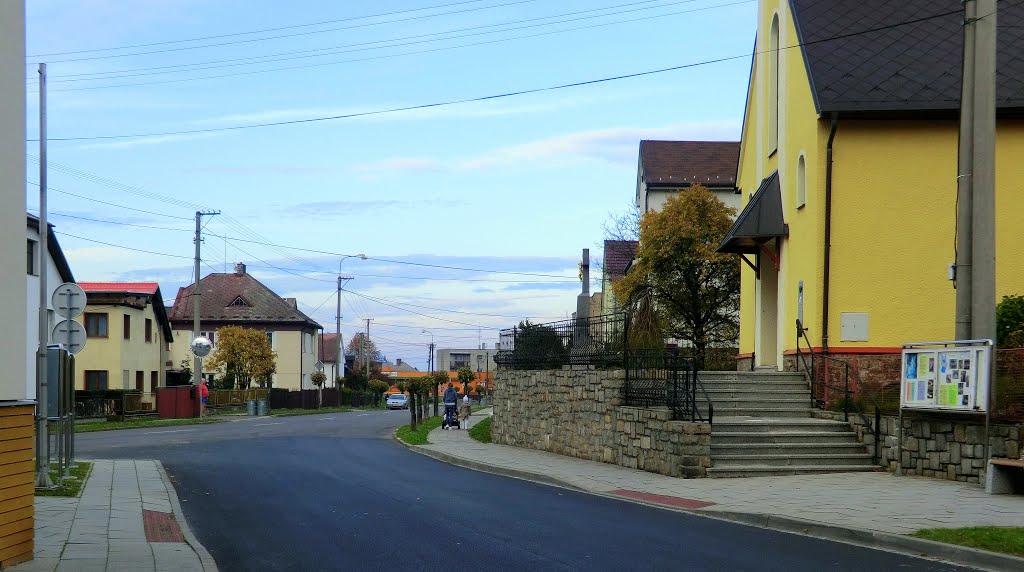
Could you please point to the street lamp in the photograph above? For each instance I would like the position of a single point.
(339, 360)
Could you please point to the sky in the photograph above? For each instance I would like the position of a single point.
(472, 215)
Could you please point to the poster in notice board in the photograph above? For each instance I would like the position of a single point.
(945, 378)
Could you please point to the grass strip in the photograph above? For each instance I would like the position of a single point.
(419, 436)
(72, 486)
(322, 410)
(90, 426)
(481, 431)
(1005, 539)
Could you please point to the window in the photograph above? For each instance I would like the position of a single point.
(32, 258)
(95, 380)
(270, 339)
(153, 380)
(95, 325)
(801, 182)
(124, 378)
(239, 301)
(458, 360)
(149, 330)
(773, 87)
(140, 381)
(209, 335)
(127, 327)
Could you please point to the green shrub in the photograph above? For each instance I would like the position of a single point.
(1010, 322)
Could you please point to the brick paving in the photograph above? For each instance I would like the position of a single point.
(872, 501)
(123, 521)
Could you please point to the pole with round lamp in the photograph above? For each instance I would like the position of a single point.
(430, 366)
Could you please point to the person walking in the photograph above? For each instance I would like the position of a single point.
(464, 412)
(204, 397)
(451, 400)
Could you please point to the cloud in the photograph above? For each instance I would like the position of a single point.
(614, 145)
(335, 208)
(156, 140)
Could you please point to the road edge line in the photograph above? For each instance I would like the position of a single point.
(907, 545)
(209, 565)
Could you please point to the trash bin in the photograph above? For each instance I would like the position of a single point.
(261, 407)
(252, 407)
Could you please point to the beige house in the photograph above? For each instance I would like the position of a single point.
(238, 299)
(667, 167)
(129, 338)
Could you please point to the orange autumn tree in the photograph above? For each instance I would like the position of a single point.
(243, 355)
(678, 283)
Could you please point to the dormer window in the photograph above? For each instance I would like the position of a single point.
(239, 302)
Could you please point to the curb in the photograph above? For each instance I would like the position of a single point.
(917, 547)
(486, 468)
(204, 555)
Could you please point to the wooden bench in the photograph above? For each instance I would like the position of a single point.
(1002, 474)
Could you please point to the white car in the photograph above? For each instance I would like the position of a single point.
(397, 401)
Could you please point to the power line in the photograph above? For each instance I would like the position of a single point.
(481, 98)
(123, 246)
(435, 308)
(183, 48)
(49, 188)
(334, 50)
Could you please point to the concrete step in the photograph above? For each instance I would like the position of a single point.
(777, 437)
(764, 385)
(756, 376)
(757, 393)
(753, 403)
(720, 450)
(763, 424)
(794, 459)
(765, 470)
(773, 411)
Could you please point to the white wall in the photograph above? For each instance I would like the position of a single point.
(656, 199)
(53, 280)
(13, 375)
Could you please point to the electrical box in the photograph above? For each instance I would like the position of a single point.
(853, 326)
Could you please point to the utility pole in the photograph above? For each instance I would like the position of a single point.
(197, 367)
(42, 436)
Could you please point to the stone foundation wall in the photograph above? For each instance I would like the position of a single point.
(578, 412)
(943, 447)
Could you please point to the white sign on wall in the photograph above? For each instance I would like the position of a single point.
(950, 376)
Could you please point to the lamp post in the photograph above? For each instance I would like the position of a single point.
(430, 366)
(339, 360)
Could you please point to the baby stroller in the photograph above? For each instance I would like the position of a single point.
(451, 416)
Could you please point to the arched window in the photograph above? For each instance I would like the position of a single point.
(773, 87)
(801, 182)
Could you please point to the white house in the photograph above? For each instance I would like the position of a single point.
(57, 273)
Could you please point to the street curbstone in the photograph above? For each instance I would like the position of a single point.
(209, 565)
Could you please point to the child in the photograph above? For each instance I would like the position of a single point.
(464, 412)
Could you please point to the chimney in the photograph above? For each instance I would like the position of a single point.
(240, 269)
(398, 361)
(294, 303)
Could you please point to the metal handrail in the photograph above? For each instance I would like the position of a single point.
(707, 398)
(876, 425)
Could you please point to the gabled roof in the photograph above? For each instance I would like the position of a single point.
(151, 290)
(120, 287)
(220, 290)
(911, 67)
(760, 221)
(683, 163)
(56, 252)
(617, 256)
(327, 346)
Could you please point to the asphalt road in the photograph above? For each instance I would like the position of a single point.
(334, 492)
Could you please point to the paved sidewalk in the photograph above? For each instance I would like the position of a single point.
(877, 502)
(127, 519)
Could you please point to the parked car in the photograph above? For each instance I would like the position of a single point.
(397, 401)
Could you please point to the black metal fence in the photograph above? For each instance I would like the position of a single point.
(666, 378)
(598, 341)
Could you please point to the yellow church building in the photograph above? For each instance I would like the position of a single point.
(848, 171)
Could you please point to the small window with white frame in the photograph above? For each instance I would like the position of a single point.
(801, 182)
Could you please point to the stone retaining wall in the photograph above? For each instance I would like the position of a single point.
(578, 412)
(941, 447)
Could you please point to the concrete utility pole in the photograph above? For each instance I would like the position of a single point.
(340, 359)
(42, 437)
(197, 367)
(976, 256)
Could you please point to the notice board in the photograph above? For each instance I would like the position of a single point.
(951, 376)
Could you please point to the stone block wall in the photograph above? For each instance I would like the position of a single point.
(944, 447)
(578, 412)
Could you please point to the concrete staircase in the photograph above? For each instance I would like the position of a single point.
(764, 425)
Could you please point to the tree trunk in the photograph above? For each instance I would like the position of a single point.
(412, 410)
